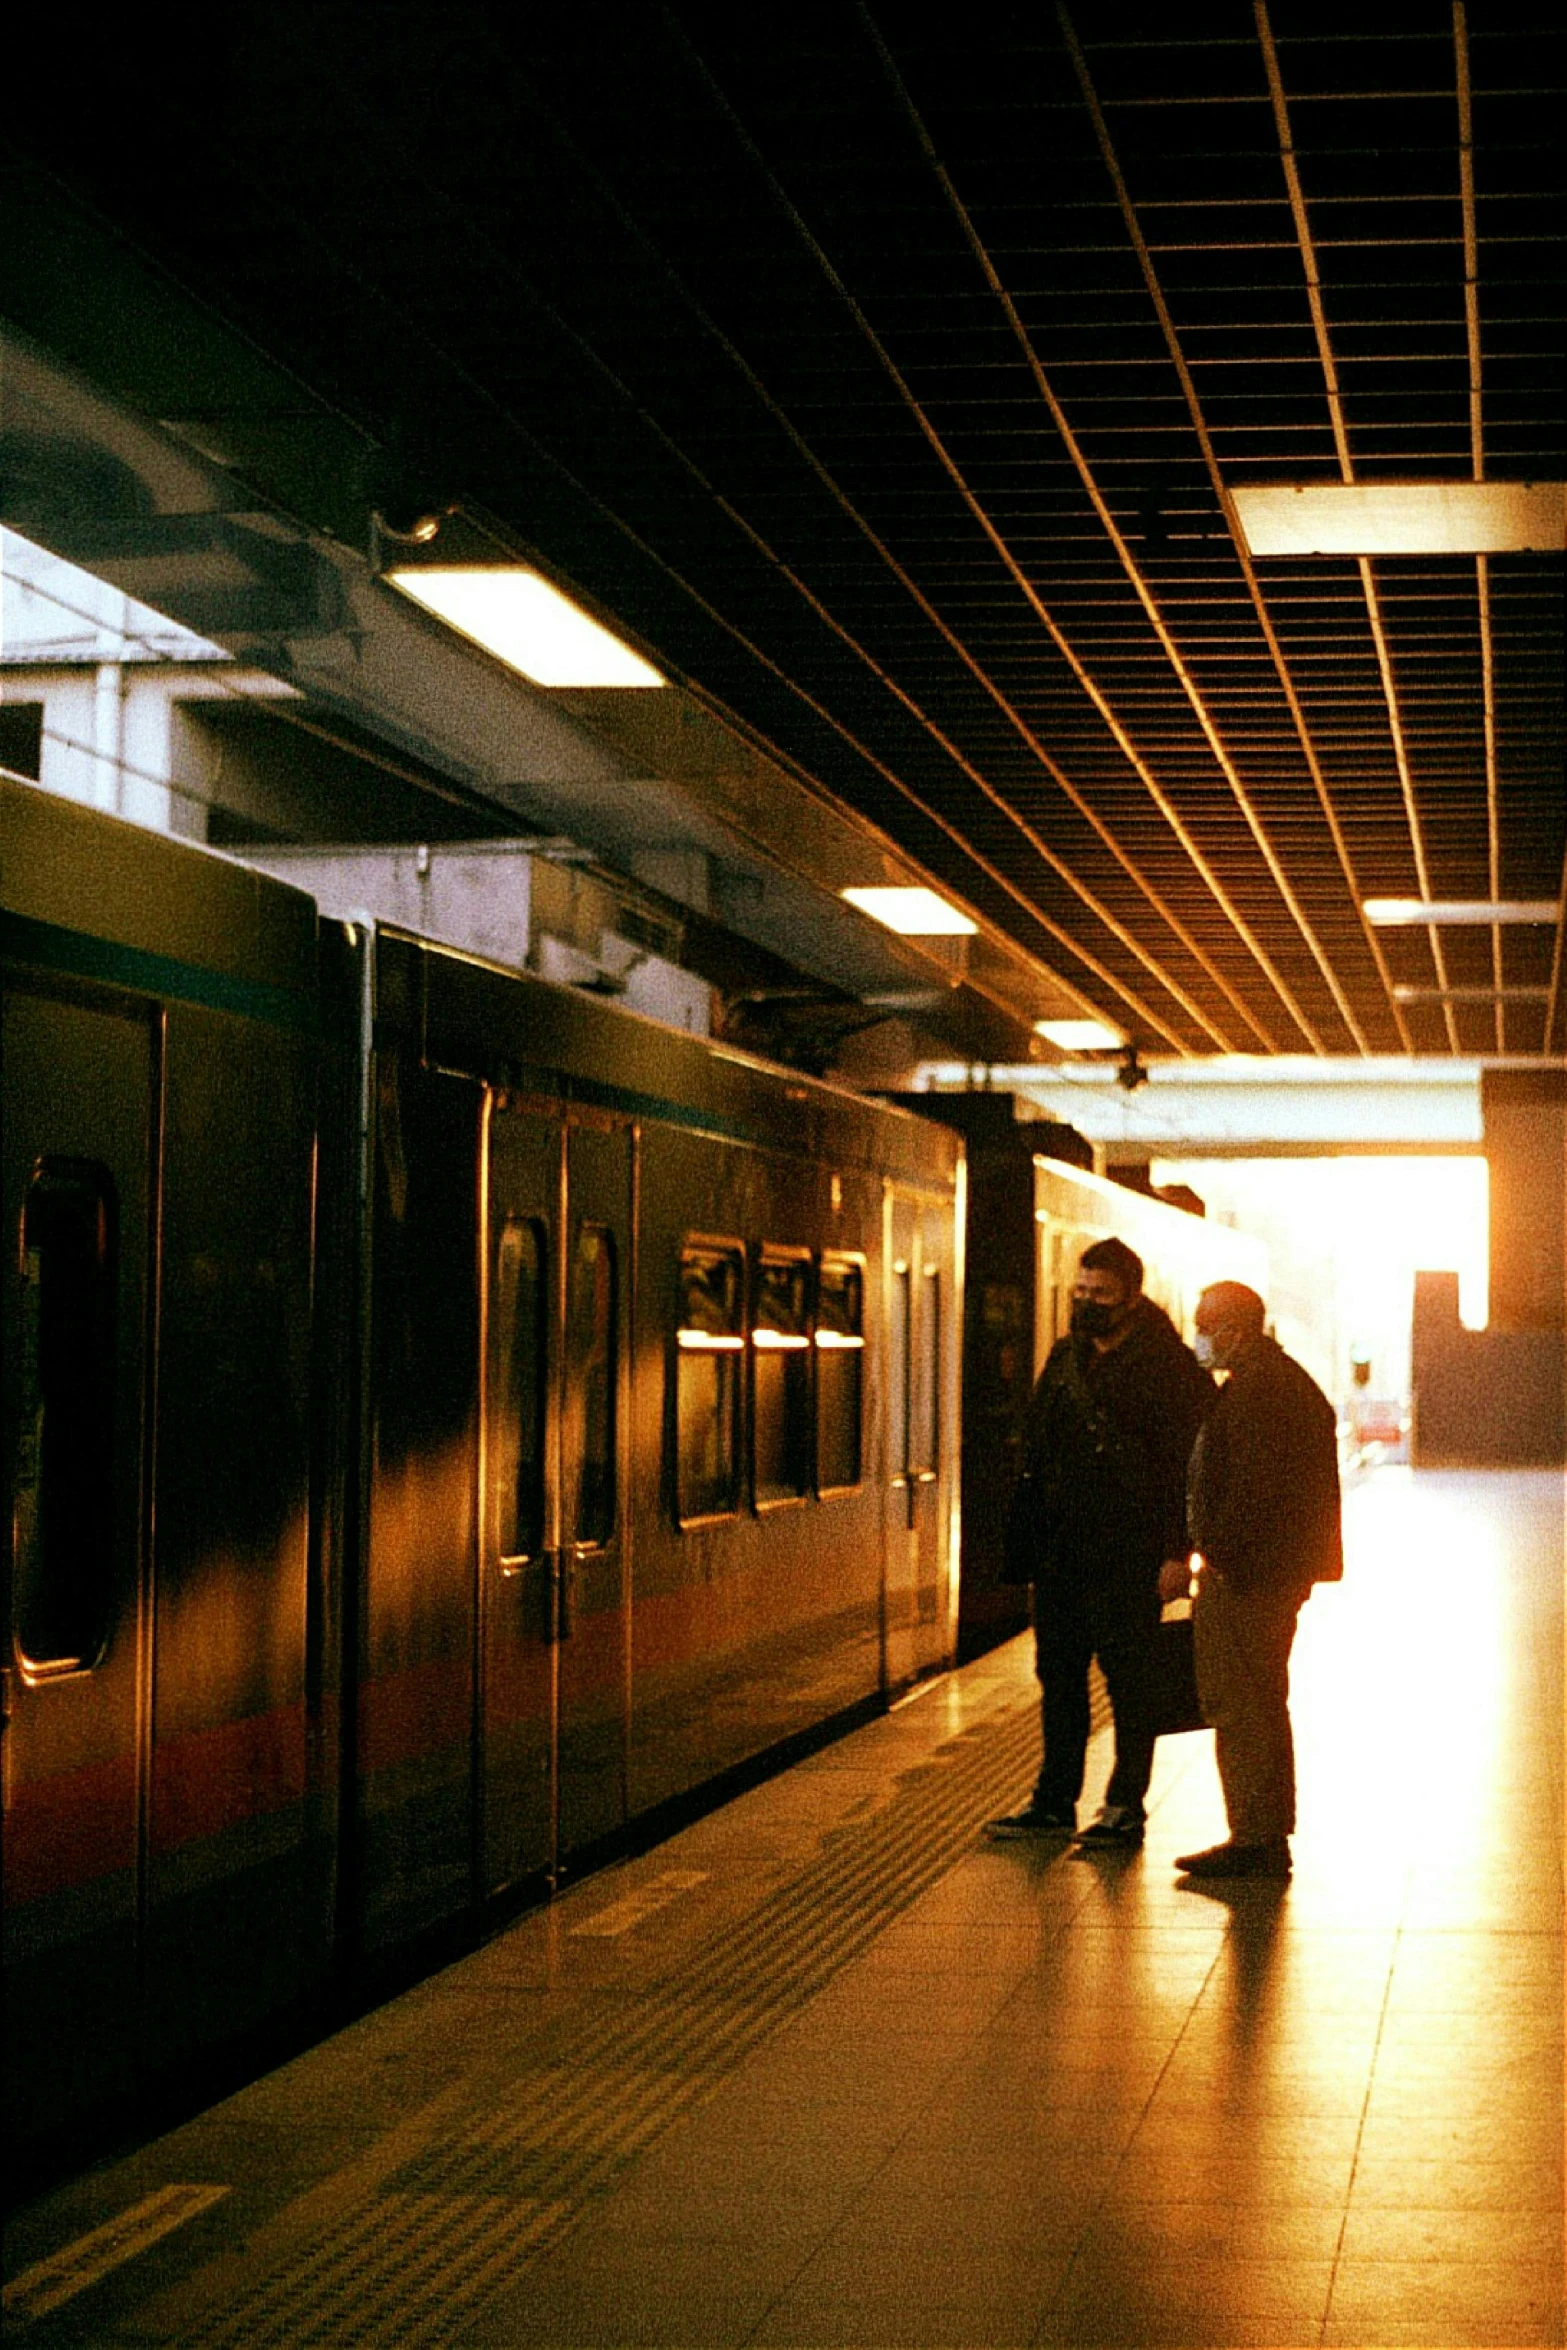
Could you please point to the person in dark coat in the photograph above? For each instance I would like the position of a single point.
(1264, 1514)
(1100, 1505)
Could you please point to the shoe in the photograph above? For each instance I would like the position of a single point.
(1117, 1827)
(1271, 1859)
(1033, 1820)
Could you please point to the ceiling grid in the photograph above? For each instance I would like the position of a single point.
(894, 381)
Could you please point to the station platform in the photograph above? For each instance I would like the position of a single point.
(828, 2068)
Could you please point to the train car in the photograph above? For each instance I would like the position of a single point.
(662, 1423)
(1032, 1212)
(447, 1418)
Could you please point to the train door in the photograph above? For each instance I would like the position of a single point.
(594, 1541)
(918, 1471)
(82, 1083)
(520, 1584)
(555, 1547)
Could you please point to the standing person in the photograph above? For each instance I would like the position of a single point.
(1264, 1513)
(1100, 1505)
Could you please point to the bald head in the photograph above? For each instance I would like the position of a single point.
(1229, 1318)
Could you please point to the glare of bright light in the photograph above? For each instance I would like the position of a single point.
(913, 913)
(1345, 1239)
(837, 1341)
(1079, 1036)
(778, 1341)
(1409, 913)
(706, 1342)
(526, 623)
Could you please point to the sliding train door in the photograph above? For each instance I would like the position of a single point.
(553, 1586)
(520, 1594)
(920, 1322)
(594, 1653)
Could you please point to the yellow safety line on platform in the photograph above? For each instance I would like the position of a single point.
(49, 2283)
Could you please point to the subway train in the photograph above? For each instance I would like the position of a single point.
(448, 1419)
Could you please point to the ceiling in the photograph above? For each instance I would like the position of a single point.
(889, 386)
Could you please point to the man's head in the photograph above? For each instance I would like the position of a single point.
(1109, 1283)
(1229, 1317)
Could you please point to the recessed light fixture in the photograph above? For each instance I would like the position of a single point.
(1080, 1036)
(913, 913)
(1403, 517)
(1417, 913)
(517, 616)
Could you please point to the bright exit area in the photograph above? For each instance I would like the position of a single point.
(1345, 1238)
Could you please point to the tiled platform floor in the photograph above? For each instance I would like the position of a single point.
(1053, 2101)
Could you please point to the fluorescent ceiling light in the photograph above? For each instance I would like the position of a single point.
(913, 913)
(526, 623)
(1403, 517)
(1079, 1036)
(1467, 995)
(1417, 913)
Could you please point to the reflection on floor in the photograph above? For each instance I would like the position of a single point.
(827, 2069)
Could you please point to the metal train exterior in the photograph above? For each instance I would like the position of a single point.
(446, 1418)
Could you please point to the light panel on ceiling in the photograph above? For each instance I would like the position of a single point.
(1419, 913)
(1080, 1036)
(1403, 517)
(913, 913)
(525, 622)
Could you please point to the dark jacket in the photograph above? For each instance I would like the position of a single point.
(1102, 1496)
(1264, 1485)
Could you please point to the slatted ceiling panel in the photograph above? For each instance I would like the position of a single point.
(886, 380)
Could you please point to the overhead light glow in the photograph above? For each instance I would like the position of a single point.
(523, 621)
(1403, 517)
(1416, 913)
(913, 913)
(1079, 1036)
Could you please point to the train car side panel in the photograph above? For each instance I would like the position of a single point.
(416, 1853)
(238, 1922)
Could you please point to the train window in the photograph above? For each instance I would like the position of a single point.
(781, 1379)
(64, 1483)
(898, 1301)
(840, 1374)
(925, 1376)
(711, 1342)
(591, 1349)
(520, 1340)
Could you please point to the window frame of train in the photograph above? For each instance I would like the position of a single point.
(710, 1333)
(63, 1577)
(594, 1519)
(929, 1313)
(522, 1362)
(915, 1328)
(779, 1352)
(842, 1340)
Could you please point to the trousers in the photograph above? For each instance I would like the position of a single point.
(1242, 1641)
(1073, 1625)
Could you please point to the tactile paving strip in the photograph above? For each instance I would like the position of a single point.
(413, 2259)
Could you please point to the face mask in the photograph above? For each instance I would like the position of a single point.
(1202, 1348)
(1093, 1319)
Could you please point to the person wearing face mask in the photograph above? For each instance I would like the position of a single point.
(1101, 1504)
(1263, 1510)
